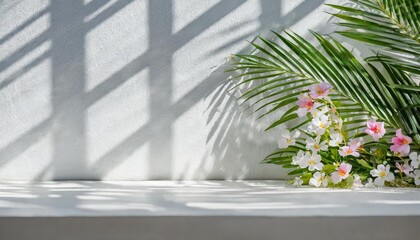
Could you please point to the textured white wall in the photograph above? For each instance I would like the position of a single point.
(132, 89)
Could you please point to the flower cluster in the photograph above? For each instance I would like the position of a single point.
(328, 155)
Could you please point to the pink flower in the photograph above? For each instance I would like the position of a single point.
(319, 90)
(375, 129)
(342, 172)
(401, 143)
(405, 168)
(351, 149)
(305, 103)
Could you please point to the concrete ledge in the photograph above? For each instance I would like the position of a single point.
(209, 228)
(204, 210)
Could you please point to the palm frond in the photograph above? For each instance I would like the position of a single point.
(393, 25)
(359, 94)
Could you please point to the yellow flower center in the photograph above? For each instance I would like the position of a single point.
(311, 162)
(322, 125)
(316, 146)
(320, 91)
(382, 174)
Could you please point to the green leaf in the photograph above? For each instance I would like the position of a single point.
(282, 120)
(392, 26)
(298, 171)
(405, 87)
(364, 163)
(329, 168)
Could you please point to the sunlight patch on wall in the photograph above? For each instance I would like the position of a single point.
(187, 11)
(292, 12)
(31, 19)
(25, 103)
(114, 117)
(229, 26)
(33, 163)
(188, 153)
(115, 43)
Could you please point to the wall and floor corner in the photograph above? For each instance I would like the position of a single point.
(132, 90)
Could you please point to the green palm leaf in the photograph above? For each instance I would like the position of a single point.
(287, 66)
(284, 69)
(393, 25)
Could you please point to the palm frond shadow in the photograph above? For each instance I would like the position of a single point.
(234, 135)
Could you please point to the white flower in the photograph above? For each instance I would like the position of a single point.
(311, 161)
(369, 184)
(318, 179)
(382, 174)
(357, 182)
(319, 125)
(286, 138)
(302, 112)
(297, 182)
(336, 138)
(416, 176)
(303, 160)
(298, 158)
(320, 111)
(314, 144)
(415, 159)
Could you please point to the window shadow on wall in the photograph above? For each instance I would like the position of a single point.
(70, 99)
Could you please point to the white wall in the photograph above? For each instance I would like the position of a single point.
(133, 89)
